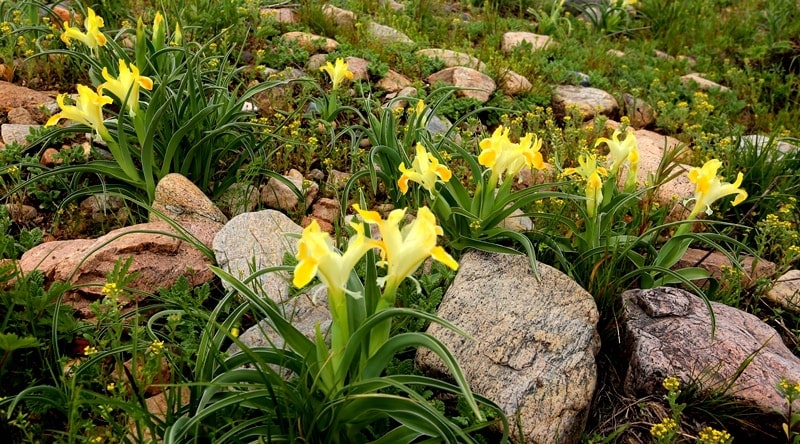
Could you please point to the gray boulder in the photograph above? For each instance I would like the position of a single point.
(534, 347)
(254, 241)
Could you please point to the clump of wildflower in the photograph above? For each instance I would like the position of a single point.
(506, 158)
(710, 435)
(665, 430)
(156, 348)
(89, 350)
(672, 384)
(111, 289)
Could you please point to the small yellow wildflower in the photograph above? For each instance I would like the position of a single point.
(12, 170)
(111, 386)
(664, 429)
(110, 289)
(672, 384)
(235, 332)
(156, 347)
(89, 350)
(712, 436)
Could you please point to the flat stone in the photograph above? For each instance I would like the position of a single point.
(667, 332)
(477, 85)
(512, 83)
(387, 35)
(786, 291)
(703, 83)
(160, 257)
(716, 263)
(339, 16)
(20, 116)
(672, 194)
(253, 241)
(281, 15)
(276, 194)
(14, 96)
(534, 346)
(589, 101)
(393, 82)
(16, 133)
(639, 112)
(180, 199)
(763, 142)
(512, 40)
(452, 58)
(311, 42)
(359, 68)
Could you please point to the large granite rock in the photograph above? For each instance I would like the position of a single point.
(452, 58)
(668, 332)
(534, 344)
(159, 255)
(254, 241)
(511, 40)
(589, 101)
(786, 291)
(14, 96)
(311, 42)
(476, 85)
(179, 199)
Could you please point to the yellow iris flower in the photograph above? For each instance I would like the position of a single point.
(93, 37)
(709, 187)
(424, 170)
(126, 85)
(589, 170)
(87, 110)
(337, 72)
(503, 156)
(404, 250)
(317, 256)
(620, 151)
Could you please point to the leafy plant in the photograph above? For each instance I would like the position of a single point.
(334, 393)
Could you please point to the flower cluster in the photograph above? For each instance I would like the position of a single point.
(709, 435)
(672, 384)
(156, 347)
(664, 430)
(504, 157)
